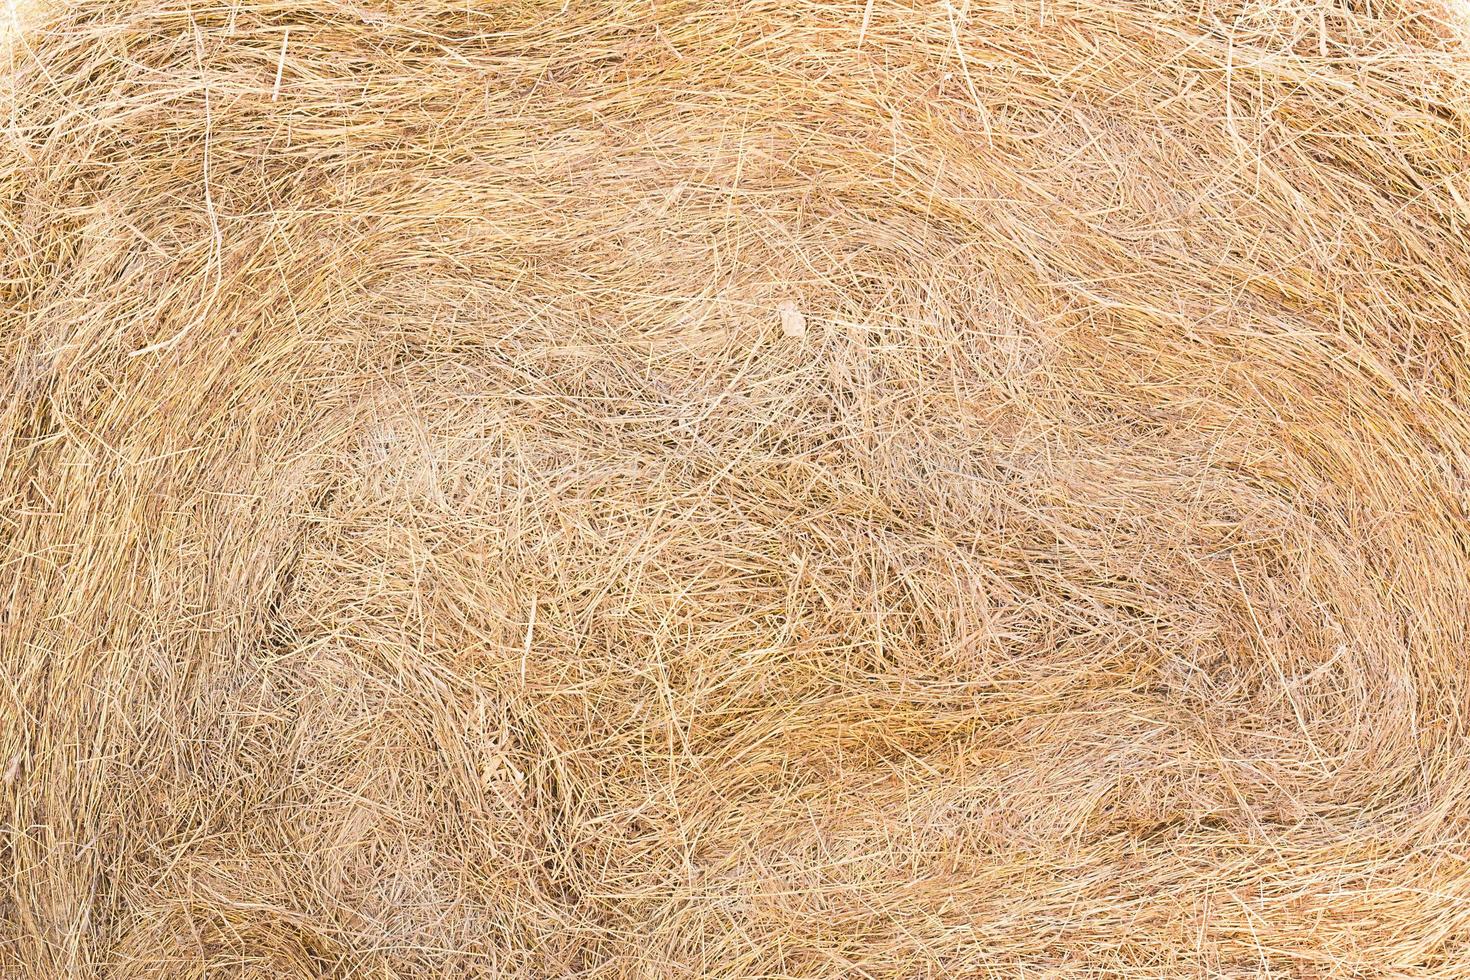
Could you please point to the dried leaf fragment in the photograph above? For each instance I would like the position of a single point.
(793, 323)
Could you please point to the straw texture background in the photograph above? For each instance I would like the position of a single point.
(615, 489)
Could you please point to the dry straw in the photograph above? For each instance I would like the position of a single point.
(773, 488)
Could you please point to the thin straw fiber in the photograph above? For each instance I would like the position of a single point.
(625, 489)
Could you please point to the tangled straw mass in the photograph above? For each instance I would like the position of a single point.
(752, 489)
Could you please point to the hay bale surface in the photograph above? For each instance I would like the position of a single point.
(604, 488)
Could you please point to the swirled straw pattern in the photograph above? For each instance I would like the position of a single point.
(770, 488)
